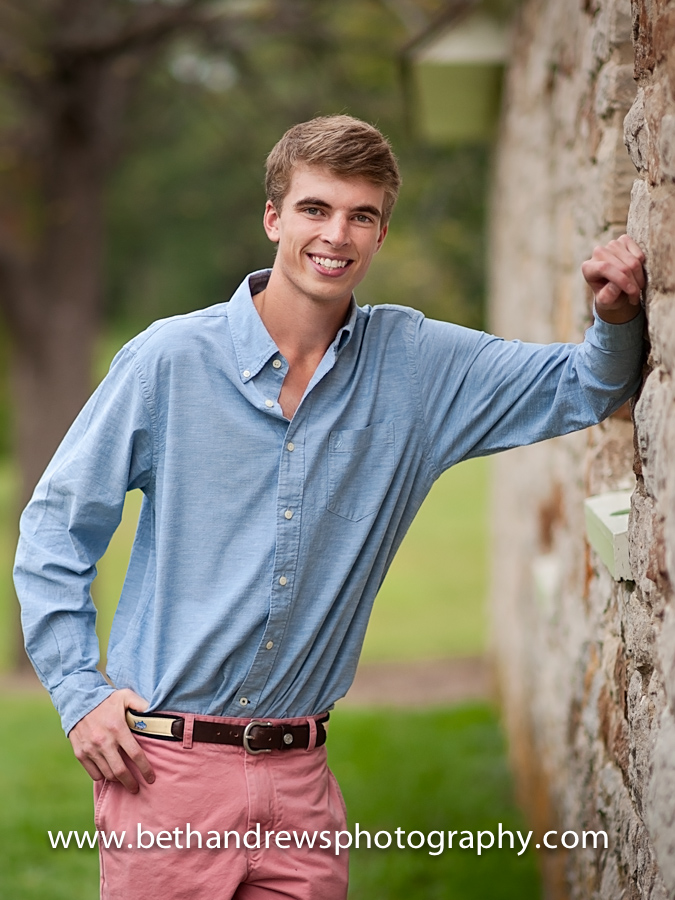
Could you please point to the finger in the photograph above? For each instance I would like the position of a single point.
(607, 296)
(131, 700)
(610, 297)
(94, 762)
(624, 253)
(98, 751)
(632, 247)
(92, 769)
(607, 269)
(121, 772)
(135, 753)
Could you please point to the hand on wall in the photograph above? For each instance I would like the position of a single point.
(616, 275)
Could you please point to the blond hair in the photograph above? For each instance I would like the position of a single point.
(345, 146)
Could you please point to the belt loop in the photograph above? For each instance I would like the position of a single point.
(187, 731)
(311, 744)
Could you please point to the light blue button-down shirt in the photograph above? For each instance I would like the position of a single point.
(262, 542)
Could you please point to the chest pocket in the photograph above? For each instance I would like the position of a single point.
(360, 469)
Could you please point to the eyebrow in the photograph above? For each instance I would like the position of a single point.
(315, 201)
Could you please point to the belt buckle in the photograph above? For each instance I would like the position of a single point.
(247, 736)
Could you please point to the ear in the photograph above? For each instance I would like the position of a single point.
(271, 222)
(382, 235)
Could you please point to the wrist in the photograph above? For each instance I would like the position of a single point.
(618, 316)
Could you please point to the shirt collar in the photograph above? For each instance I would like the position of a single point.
(252, 342)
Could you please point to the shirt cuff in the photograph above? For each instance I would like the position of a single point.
(78, 694)
(617, 337)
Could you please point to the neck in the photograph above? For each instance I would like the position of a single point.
(301, 326)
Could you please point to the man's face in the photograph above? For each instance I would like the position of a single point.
(328, 230)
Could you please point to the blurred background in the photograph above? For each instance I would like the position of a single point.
(132, 144)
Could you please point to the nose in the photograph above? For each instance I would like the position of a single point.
(336, 231)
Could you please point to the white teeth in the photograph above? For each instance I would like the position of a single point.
(330, 263)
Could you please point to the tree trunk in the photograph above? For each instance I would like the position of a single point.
(51, 287)
(56, 312)
(52, 354)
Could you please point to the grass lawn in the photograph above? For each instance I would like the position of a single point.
(456, 778)
(432, 603)
(9, 613)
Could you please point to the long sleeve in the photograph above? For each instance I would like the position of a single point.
(482, 394)
(66, 528)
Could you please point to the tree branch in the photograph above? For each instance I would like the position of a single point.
(143, 30)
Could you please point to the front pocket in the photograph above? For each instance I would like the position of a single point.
(360, 469)
(100, 794)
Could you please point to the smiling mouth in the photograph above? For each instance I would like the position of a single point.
(327, 263)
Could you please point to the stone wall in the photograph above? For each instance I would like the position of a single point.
(585, 664)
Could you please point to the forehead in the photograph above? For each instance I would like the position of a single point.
(338, 191)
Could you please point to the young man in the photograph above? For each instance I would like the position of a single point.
(283, 442)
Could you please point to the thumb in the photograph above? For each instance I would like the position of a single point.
(132, 700)
(609, 293)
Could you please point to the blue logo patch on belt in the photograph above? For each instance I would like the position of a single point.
(140, 725)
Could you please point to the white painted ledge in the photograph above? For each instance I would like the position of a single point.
(607, 531)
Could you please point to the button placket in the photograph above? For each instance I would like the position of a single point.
(289, 500)
(267, 382)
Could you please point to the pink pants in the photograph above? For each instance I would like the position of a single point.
(200, 792)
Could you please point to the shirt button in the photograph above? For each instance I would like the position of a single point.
(277, 363)
(283, 580)
(269, 645)
(288, 514)
(290, 446)
(243, 701)
(269, 403)
(246, 373)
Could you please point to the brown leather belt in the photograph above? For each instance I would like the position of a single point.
(256, 736)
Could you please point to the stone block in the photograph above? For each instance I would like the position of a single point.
(656, 107)
(643, 40)
(664, 46)
(639, 632)
(639, 722)
(666, 652)
(612, 884)
(616, 175)
(667, 501)
(646, 545)
(667, 146)
(620, 23)
(638, 214)
(659, 807)
(661, 259)
(649, 421)
(615, 89)
(635, 132)
(662, 329)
